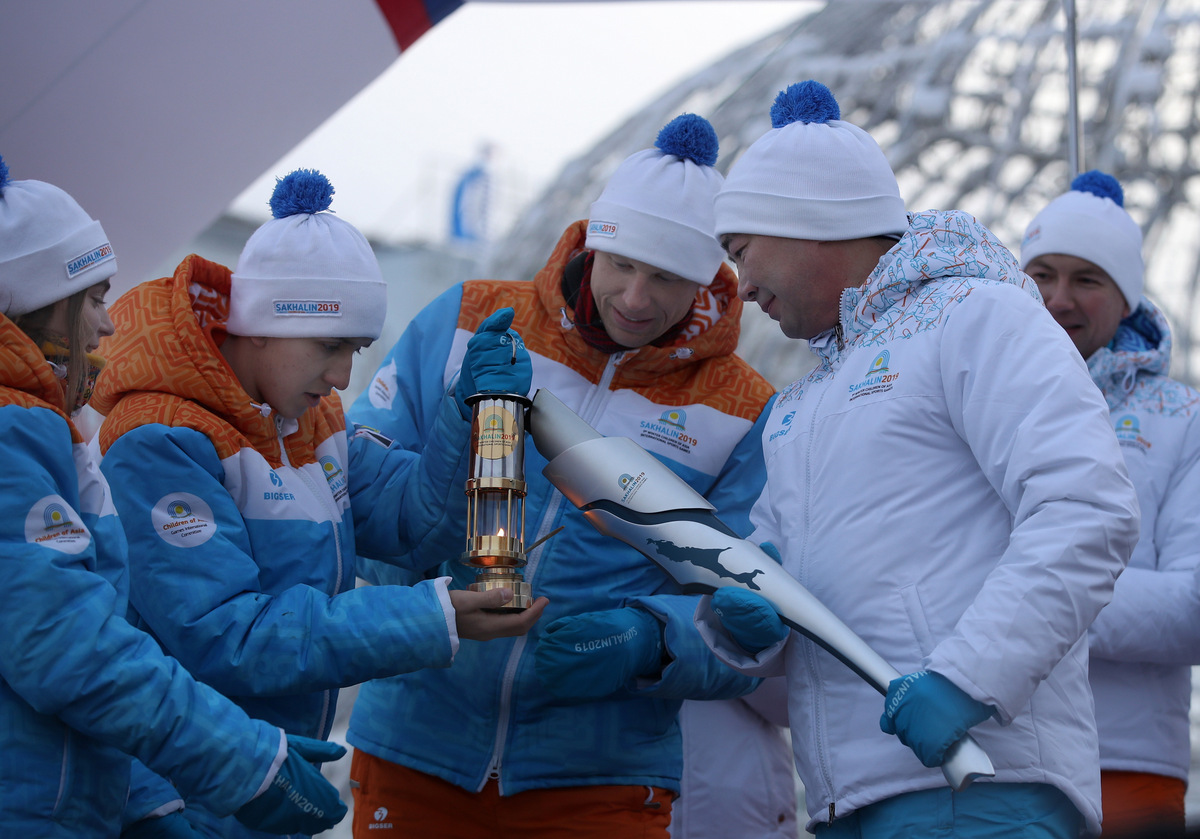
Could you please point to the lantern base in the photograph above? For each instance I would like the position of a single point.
(522, 592)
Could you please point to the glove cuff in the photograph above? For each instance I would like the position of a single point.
(650, 658)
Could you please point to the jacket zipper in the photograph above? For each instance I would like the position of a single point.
(811, 651)
(335, 521)
(839, 331)
(514, 657)
(591, 408)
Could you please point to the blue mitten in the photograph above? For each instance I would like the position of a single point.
(748, 619)
(496, 361)
(929, 713)
(170, 826)
(298, 800)
(596, 654)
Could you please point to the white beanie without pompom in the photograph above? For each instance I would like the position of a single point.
(49, 247)
(811, 177)
(306, 273)
(657, 207)
(1090, 222)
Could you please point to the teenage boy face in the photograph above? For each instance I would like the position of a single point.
(1082, 297)
(636, 301)
(795, 281)
(292, 374)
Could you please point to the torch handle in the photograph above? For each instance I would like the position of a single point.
(965, 760)
(715, 558)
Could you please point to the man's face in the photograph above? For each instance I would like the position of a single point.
(1082, 297)
(636, 301)
(795, 281)
(292, 374)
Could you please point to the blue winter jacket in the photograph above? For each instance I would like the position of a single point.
(694, 405)
(243, 526)
(80, 689)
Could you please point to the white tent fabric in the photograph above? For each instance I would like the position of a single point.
(155, 114)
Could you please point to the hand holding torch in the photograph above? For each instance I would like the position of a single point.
(626, 493)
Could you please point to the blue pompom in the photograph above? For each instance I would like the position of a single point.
(3, 174)
(804, 102)
(302, 191)
(1100, 184)
(691, 137)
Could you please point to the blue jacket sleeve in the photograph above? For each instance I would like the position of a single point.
(69, 653)
(405, 395)
(743, 478)
(150, 795)
(409, 507)
(207, 606)
(410, 402)
(694, 672)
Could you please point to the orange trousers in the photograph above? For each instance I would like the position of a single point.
(392, 801)
(1140, 804)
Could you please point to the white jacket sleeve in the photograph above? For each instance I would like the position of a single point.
(1020, 397)
(1155, 612)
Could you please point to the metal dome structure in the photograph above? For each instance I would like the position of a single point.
(968, 98)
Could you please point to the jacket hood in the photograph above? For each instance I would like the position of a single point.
(24, 369)
(713, 330)
(1142, 345)
(939, 245)
(166, 343)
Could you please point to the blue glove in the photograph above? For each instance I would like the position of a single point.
(929, 713)
(299, 800)
(596, 654)
(496, 361)
(170, 826)
(748, 619)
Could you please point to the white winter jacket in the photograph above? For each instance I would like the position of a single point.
(947, 482)
(1144, 642)
(738, 779)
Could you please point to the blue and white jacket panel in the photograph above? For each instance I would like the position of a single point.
(947, 483)
(246, 574)
(1144, 643)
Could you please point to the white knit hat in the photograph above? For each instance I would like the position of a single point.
(1090, 222)
(49, 247)
(658, 205)
(811, 176)
(306, 273)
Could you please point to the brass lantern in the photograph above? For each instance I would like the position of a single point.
(496, 496)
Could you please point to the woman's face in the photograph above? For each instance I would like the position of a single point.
(94, 317)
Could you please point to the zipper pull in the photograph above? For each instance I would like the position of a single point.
(837, 331)
(650, 802)
(831, 813)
